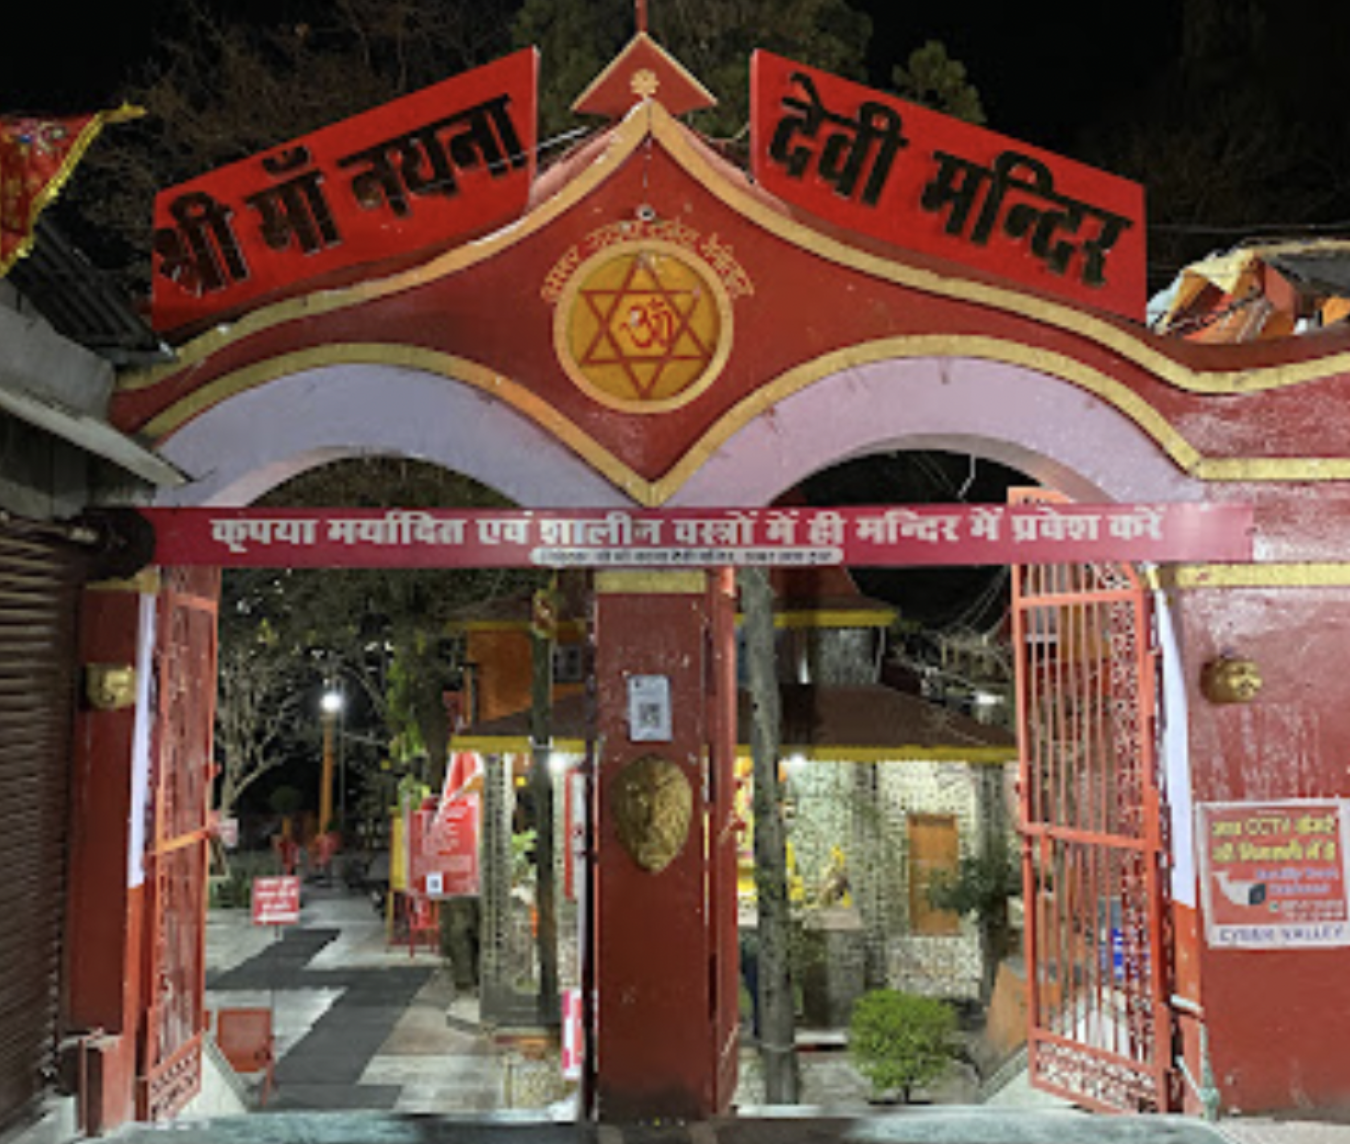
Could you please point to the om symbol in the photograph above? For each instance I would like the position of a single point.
(651, 322)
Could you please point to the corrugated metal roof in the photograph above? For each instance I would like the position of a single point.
(82, 302)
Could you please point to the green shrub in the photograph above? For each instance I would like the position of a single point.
(900, 1040)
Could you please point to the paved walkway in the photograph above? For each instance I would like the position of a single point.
(358, 1025)
(375, 1048)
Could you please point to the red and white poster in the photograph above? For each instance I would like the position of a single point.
(276, 901)
(443, 835)
(1274, 875)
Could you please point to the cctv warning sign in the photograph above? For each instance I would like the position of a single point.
(1274, 875)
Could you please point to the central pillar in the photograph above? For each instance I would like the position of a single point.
(664, 937)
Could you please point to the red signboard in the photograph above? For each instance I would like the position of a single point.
(276, 901)
(1274, 875)
(930, 183)
(443, 837)
(425, 171)
(897, 536)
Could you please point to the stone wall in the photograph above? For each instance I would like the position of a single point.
(830, 807)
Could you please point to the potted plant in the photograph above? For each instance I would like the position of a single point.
(899, 1041)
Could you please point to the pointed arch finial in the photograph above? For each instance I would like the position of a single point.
(641, 16)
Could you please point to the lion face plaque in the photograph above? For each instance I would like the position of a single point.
(1230, 679)
(652, 803)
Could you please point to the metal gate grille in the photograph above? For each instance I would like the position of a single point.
(1091, 832)
(39, 582)
(176, 859)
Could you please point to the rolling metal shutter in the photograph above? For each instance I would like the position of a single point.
(39, 584)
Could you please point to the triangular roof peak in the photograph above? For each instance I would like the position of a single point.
(643, 70)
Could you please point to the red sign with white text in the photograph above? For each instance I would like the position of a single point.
(429, 170)
(1274, 875)
(924, 181)
(443, 848)
(885, 536)
(276, 901)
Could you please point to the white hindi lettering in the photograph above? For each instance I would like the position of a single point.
(1144, 520)
(780, 527)
(559, 533)
(727, 532)
(237, 532)
(825, 529)
(614, 530)
(986, 521)
(343, 531)
(648, 531)
(503, 530)
(231, 532)
(1045, 523)
(906, 524)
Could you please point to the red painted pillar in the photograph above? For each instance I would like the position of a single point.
(104, 898)
(664, 923)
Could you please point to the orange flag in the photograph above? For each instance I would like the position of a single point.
(37, 156)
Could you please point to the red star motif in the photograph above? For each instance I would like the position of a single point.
(643, 327)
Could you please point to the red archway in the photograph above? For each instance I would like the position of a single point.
(657, 328)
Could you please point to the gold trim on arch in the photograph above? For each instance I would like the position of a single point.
(515, 395)
(1191, 577)
(979, 346)
(650, 118)
(654, 493)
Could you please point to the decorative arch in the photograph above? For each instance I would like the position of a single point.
(1052, 429)
(262, 436)
(1047, 427)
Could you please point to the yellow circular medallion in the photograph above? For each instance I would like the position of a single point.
(643, 326)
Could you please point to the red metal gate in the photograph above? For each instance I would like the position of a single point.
(176, 849)
(1092, 846)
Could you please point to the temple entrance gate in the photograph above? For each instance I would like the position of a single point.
(638, 337)
(1098, 964)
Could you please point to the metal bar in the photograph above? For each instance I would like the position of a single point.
(1071, 834)
(182, 841)
(1026, 798)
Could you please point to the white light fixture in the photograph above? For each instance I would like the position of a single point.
(331, 703)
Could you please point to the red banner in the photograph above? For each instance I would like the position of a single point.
(672, 538)
(428, 170)
(1274, 875)
(927, 182)
(37, 157)
(276, 901)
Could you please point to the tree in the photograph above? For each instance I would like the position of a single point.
(933, 78)
(220, 86)
(255, 705)
(1237, 139)
(712, 38)
(285, 633)
(776, 1003)
(382, 631)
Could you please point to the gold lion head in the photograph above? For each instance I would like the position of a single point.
(109, 686)
(1229, 679)
(653, 804)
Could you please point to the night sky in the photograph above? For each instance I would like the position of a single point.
(1045, 70)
